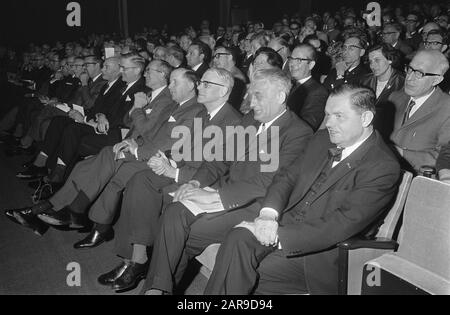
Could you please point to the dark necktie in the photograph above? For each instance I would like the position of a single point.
(335, 154)
(408, 111)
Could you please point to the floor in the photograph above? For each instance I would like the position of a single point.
(30, 264)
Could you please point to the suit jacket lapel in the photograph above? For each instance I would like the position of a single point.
(347, 165)
(317, 164)
(427, 108)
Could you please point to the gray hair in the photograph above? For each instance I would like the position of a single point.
(225, 76)
(275, 77)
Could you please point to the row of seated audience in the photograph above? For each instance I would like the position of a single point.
(343, 123)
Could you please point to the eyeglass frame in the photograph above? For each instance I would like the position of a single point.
(299, 60)
(156, 70)
(218, 55)
(126, 68)
(419, 74)
(206, 83)
(426, 42)
(351, 47)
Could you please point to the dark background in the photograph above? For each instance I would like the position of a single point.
(24, 21)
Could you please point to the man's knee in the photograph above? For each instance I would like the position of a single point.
(239, 236)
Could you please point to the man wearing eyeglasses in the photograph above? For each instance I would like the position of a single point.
(437, 40)
(238, 185)
(146, 194)
(391, 35)
(412, 36)
(422, 120)
(226, 58)
(351, 69)
(307, 98)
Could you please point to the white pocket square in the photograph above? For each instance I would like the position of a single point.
(171, 119)
(128, 98)
(262, 152)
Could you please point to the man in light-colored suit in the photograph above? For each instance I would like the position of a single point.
(422, 120)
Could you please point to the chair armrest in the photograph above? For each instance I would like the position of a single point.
(378, 243)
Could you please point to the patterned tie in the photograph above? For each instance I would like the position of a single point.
(335, 154)
(408, 111)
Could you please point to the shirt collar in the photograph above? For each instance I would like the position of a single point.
(214, 112)
(185, 101)
(158, 91)
(195, 68)
(419, 101)
(98, 76)
(129, 85)
(349, 150)
(268, 124)
(302, 81)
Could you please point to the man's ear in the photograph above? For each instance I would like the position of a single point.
(367, 118)
(282, 97)
(312, 64)
(362, 53)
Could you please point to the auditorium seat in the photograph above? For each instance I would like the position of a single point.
(421, 264)
(355, 252)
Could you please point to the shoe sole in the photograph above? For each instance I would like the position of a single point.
(133, 286)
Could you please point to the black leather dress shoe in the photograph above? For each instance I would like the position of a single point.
(64, 217)
(28, 219)
(94, 239)
(130, 277)
(109, 277)
(33, 172)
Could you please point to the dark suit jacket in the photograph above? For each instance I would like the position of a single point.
(308, 101)
(422, 136)
(122, 106)
(404, 48)
(161, 138)
(241, 183)
(161, 108)
(358, 190)
(227, 116)
(385, 109)
(443, 160)
(201, 70)
(86, 95)
(354, 76)
(103, 103)
(67, 88)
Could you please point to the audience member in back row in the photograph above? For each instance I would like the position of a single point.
(307, 98)
(350, 69)
(385, 78)
(422, 119)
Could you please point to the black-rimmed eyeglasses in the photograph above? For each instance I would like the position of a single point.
(292, 59)
(419, 74)
(206, 84)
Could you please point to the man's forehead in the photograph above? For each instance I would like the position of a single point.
(300, 52)
(435, 37)
(422, 62)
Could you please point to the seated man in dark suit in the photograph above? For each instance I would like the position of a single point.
(308, 97)
(198, 57)
(236, 185)
(226, 58)
(391, 35)
(351, 69)
(103, 177)
(342, 184)
(81, 139)
(146, 193)
(62, 144)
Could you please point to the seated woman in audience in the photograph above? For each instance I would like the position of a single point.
(384, 79)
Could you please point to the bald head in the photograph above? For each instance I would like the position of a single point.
(434, 60)
(425, 71)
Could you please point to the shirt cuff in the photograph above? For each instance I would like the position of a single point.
(269, 212)
(177, 172)
(134, 151)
